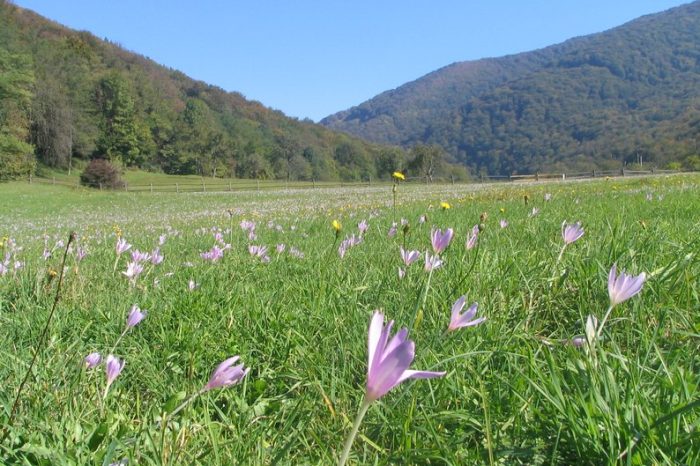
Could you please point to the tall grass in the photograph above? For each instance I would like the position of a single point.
(517, 391)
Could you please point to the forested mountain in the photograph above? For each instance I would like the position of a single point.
(67, 96)
(600, 101)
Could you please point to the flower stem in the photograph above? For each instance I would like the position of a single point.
(602, 322)
(421, 302)
(353, 432)
(187, 401)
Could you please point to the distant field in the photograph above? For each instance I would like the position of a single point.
(526, 386)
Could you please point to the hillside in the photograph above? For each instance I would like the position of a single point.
(625, 95)
(67, 96)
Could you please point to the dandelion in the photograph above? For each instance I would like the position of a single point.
(113, 367)
(445, 205)
(409, 257)
(336, 225)
(459, 320)
(92, 360)
(388, 361)
(397, 175)
(441, 240)
(571, 233)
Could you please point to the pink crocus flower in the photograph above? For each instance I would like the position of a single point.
(156, 257)
(441, 240)
(571, 233)
(432, 262)
(135, 316)
(392, 230)
(92, 360)
(534, 212)
(409, 257)
(225, 375)
(213, 255)
(138, 256)
(622, 287)
(280, 248)
(133, 270)
(503, 223)
(473, 236)
(548, 197)
(113, 367)
(122, 246)
(192, 285)
(363, 226)
(388, 359)
(80, 253)
(402, 273)
(459, 320)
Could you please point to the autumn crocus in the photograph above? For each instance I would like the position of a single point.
(388, 362)
(409, 257)
(432, 262)
(92, 360)
(133, 270)
(135, 316)
(466, 319)
(503, 223)
(441, 240)
(225, 375)
(113, 367)
(571, 233)
(621, 287)
(472, 237)
(122, 246)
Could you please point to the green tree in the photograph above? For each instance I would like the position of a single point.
(119, 131)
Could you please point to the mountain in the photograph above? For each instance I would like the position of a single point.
(67, 96)
(622, 96)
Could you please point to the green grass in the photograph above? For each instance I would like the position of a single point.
(515, 392)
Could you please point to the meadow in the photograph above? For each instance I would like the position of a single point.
(289, 281)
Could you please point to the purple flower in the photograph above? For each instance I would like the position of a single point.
(225, 375)
(571, 233)
(122, 246)
(113, 367)
(257, 251)
(622, 287)
(192, 285)
(280, 248)
(402, 273)
(578, 342)
(441, 240)
(472, 237)
(161, 239)
(92, 360)
(463, 320)
(296, 253)
(363, 226)
(133, 270)
(409, 257)
(138, 256)
(421, 220)
(534, 212)
(156, 256)
(213, 255)
(135, 316)
(503, 223)
(388, 360)
(80, 253)
(432, 262)
(392, 230)
(548, 197)
(247, 225)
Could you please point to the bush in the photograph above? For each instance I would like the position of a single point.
(101, 174)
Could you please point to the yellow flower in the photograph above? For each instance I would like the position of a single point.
(398, 176)
(336, 225)
(502, 209)
(445, 205)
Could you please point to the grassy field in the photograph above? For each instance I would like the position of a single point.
(526, 386)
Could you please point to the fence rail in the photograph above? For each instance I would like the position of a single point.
(224, 185)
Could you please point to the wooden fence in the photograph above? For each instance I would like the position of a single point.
(225, 185)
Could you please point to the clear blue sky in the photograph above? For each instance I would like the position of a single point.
(312, 58)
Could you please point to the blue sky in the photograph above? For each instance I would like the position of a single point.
(313, 58)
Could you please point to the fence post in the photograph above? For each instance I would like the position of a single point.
(563, 176)
(481, 178)
(594, 173)
(177, 188)
(30, 178)
(126, 186)
(622, 171)
(453, 179)
(229, 186)
(537, 176)
(204, 186)
(54, 180)
(257, 182)
(151, 187)
(100, 186)
(313, 181)
(369, 180)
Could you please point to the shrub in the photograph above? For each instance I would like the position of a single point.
(100, 173)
